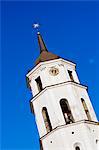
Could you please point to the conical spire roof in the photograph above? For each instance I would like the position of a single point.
(45, 55)
(41, 43)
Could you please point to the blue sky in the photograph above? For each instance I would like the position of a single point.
(70, 30)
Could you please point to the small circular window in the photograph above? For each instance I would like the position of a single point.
(54, 71)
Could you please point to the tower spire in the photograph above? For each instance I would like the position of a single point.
(41, 43)
(45, 55)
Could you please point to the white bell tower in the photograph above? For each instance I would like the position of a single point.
(64, 114)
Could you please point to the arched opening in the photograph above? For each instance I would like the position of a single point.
(70, 75)
(97, 142)
(46, 119)
(39, 84)
(41, 146)
(77, 148)
(66, 111)
(86, 109)
(31, 107)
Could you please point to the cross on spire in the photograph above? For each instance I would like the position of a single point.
(36, 26)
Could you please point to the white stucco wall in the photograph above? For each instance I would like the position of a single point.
(43, 69)
(66, 137)
(50, 98)
(56, 88)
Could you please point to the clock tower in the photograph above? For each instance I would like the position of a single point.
(63, 111)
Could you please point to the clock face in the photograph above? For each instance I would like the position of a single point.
(54, 71)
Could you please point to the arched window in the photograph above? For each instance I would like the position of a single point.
(46, 119)
(66, 111)
(77, 148)
(86, 109)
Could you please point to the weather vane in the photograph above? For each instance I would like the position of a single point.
(36, 26)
